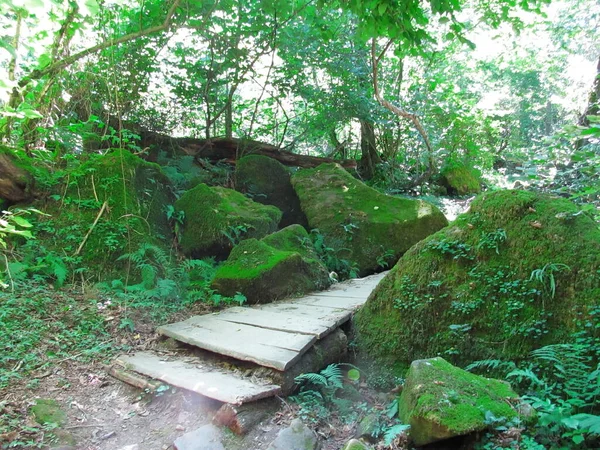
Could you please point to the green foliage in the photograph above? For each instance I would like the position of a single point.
(545, 276)
(339, 268)
(31, 341)
(562, 383)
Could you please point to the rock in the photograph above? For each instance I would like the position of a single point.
(365, 227)
(295, 437)
(207, 437)
(48, 411)
(355, 444)
(511, 275)
(441, 401)
(135, 192)
(267, 181)
(368, 427)
(216, 218)
(460, 179)
(279, 265)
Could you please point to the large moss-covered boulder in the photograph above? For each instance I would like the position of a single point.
(365, 227)
(216, 218)
(518, 271)
(119, 197)
(280, 265)
(440, 401)
(461, 179)
(267, 181)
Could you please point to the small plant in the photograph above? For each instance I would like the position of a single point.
(492, 240)
(545, 276)
(383, 261)
(456, 249)
(235, 233)
(340, 268)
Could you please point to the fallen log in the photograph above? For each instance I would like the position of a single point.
(242, 418)
(230, 150)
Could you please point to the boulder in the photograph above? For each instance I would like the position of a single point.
(280, 265)
(267, 181)
(207, 437)
(295, 437)
(460, 179)
(355, 444)
(440, 401)
(365, 227)
(120, 197)
(514, 273)
(216, 218)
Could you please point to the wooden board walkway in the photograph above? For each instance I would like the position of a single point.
(273, 335)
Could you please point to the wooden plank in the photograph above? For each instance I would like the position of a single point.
(273, 320)
(357, 288)
(335, 316)
(241, 341)
(347, 303)
(247, 333)
(227, 388)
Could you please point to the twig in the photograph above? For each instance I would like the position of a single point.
(98, 425)
(104, 205)
(12, 283)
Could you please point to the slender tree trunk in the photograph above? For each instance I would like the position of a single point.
(593, 107)
(369, 156)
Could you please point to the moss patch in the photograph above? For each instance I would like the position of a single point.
(48, 411)
(461, 179)
(440, 401)
(216, 218)
(267, 181)
(280, 265)
(136, 194)
(467, 292)
(362, 224)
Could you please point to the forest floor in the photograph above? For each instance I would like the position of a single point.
(103, 413)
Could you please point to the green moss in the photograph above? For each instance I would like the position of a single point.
(466, 292)
(135, 192)
(267, 181)
(215, 216)
(439, 400)
(280, 265)
(48, 411)
(461, 179)
(359, 222)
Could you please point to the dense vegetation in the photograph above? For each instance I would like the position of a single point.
(107, 109)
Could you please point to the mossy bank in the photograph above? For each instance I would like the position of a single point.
(519, 271)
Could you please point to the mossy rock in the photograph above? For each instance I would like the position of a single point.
(216, 218)
(136, 194)
(267, 181)
(365, 227)
(460, 179)
(518, 271)
(48, 411)
(280, 265)
(440, 401)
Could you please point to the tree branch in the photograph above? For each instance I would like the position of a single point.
(66, 62)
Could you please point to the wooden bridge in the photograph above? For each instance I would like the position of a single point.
(243, 354)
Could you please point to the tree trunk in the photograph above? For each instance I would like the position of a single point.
(369, 156)
(593, 107)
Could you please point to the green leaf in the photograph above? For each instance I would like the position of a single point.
(44, 60)
(33, 4)
(8, 47)
(382, 8)
(21, 222)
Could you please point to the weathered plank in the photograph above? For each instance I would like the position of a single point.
(274, 320)
(357, 288)
(341, 302)
(269, 348)
(228, 388)
(336, 316)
